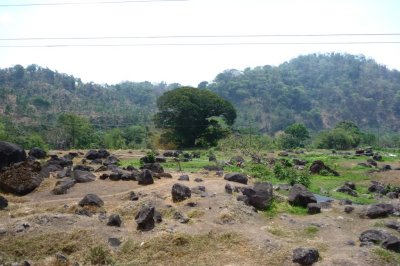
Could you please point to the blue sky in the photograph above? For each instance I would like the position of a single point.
(190, 64)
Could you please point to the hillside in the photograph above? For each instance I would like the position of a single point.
(318, 90)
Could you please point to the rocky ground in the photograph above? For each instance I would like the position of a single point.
(147, 224)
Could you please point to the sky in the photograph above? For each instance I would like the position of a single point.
(157, 46)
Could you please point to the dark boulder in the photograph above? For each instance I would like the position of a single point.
(213, 168)
(345, 202)
(377, 157)
(91, 200)
(297, 161)
(379, 210)
(161, 160)
(392, 243)
(99, 154)
(133, 196)
(228, 188)
(83, 176)
(300, 196)
(198, 180)
(393, 225)
(49, 168)
(154, 167)
(63, 185)
(260, 196)
(37, 153)
(111, 160)
(3, 202)
(157, 216)
(283, 154)
(86, 168)
(386, 167)
(145, 218)
(62, 162)
(348, 209)
(237, 177)
(180, 192)
(374, 236)
(114, 220)
(377, 187)
(10, 154)
(346, 189)
(318, 166)
(350, 185)
(145, 178)
(372, 162)
(183, 178)
(305, 256)
(21, 178)
(392, 195)
(66, 172)
(172, 153)
(313, 208)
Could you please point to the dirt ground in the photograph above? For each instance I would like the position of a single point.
(268, 240)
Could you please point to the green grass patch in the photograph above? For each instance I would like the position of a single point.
(386, 257)
(277, 208)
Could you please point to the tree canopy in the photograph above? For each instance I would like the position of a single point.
(190, 116)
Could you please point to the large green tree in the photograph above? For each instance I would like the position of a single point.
(186, 114)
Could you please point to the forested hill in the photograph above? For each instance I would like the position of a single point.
(317, 90)
(36, 96)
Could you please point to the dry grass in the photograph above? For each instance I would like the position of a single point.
(205, 249)
(39, 247)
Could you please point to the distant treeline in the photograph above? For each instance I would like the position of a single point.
(38, 105)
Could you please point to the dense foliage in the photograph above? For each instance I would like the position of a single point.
(316, 90)
(191, 116)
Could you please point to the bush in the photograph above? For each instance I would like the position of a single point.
(291, 175)
(98, 255)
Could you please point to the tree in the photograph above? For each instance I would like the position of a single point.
(185, 113)
(294, 136)
(77, 131)
(345, 135)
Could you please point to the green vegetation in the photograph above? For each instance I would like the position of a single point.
(385, 256)
(189, 117)
(307, 96)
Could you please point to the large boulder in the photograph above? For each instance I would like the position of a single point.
(111, 160)
(62, 162)
(374, 236)
(154, 167)
(318, 166)
(236, 177)
(145, 178)
(50, 168)
(180, 192)
(379, 210)
(10, 154)
(21, 178)
(347, 190)
(392, 243)
(145, 218)
(300, 196)
(91, 200)
(81, 176)
(305, 256)
(63, 185)
(260, 196)
(37, 153)
(99, 154)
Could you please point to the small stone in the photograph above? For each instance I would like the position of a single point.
(348, 209)
(114, 242)
(114, 220)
